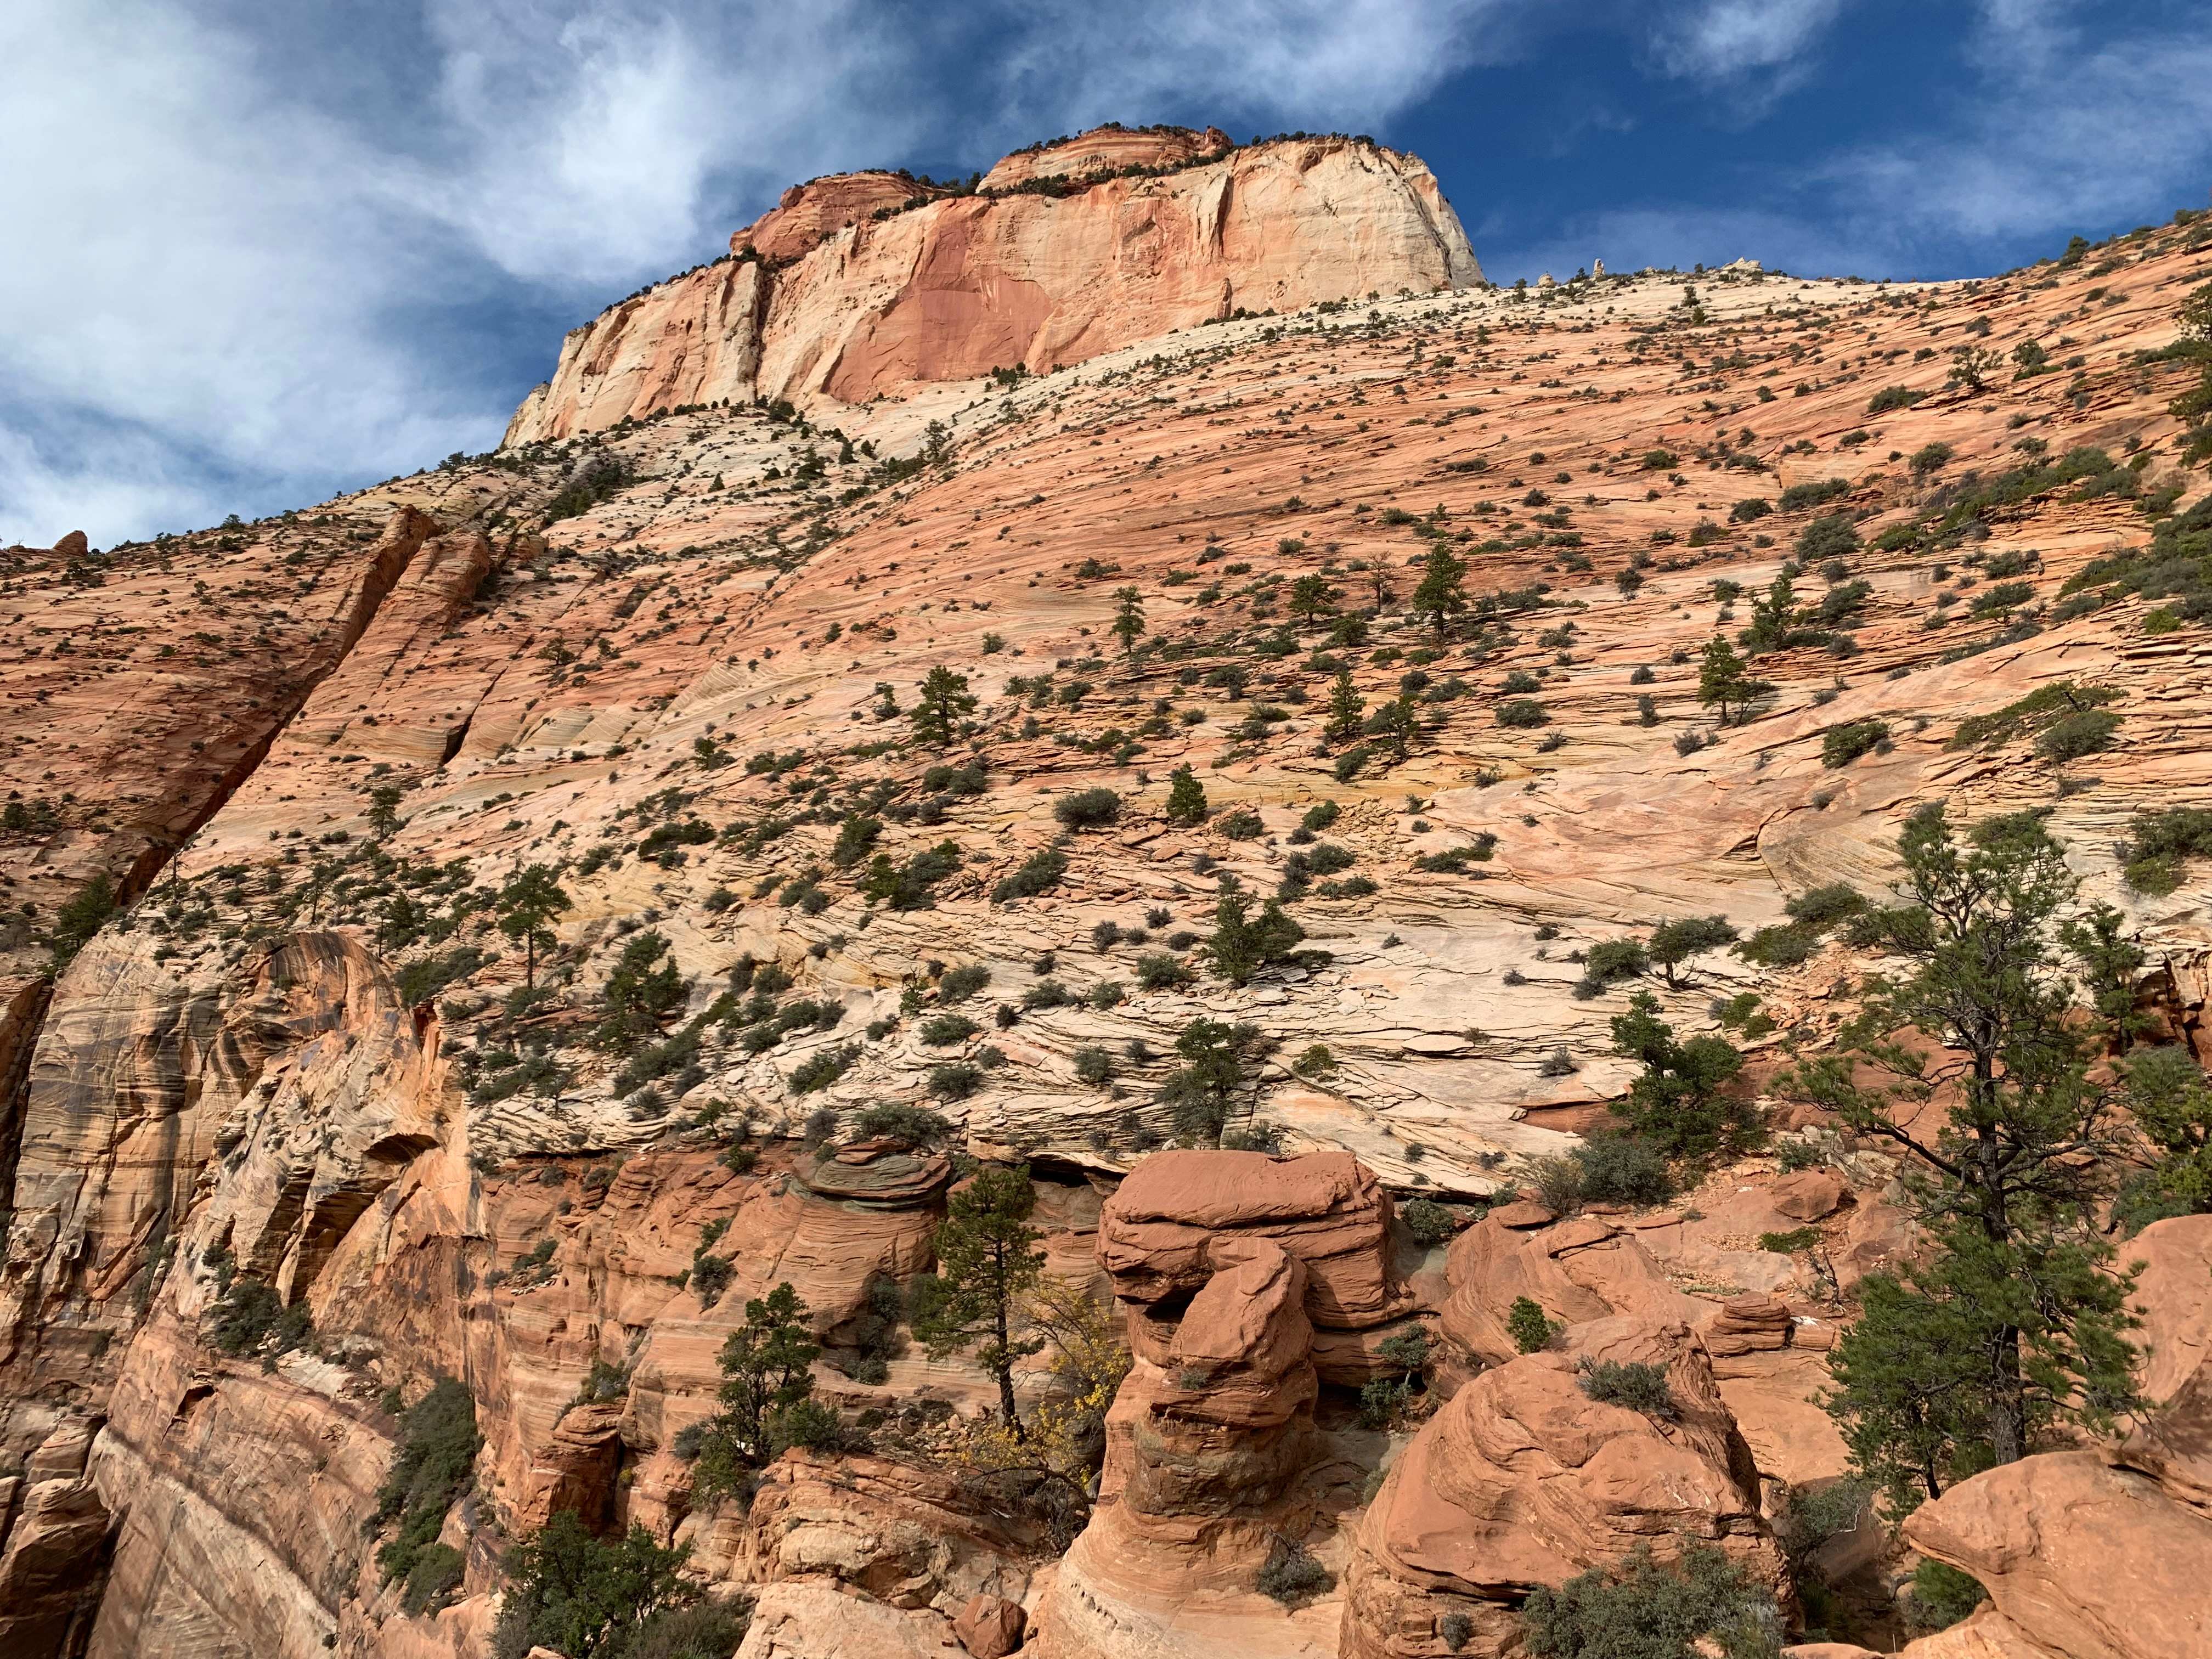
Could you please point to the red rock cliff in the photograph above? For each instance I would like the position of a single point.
(843, 306)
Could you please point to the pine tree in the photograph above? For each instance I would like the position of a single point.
(1673, 943)
(1393, 724)
(1771, 618)
(939, 705)
(1311, 598)
(2017, 1276)
(384, 809)
(1676, 1103)
(1186, 797)
(1441, 594)
(1202, 1092)
(987, 1258)
(766, 1369)
(1724, 682)
(1129, 618)
(1346, 709)
(526, 907)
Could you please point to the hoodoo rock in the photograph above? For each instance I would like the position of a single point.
(866, 285)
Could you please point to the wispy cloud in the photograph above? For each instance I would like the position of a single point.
(1719, 39)
(2073, 117)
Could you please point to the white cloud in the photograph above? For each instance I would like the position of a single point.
(1312, 63)
(1722, 38)
(2071, 126)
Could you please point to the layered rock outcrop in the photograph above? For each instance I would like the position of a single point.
(844, 307)
(1522, 1479)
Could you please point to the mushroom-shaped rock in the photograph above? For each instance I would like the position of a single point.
(1205, 1460)
(1181, 1215)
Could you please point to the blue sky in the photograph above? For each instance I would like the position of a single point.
(261, 251)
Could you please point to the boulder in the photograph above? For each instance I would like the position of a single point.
(990, 1626)
(1522, 1479)
(74, 544)
(1807, 1196)
(2084, 1560)
(1579, 1270)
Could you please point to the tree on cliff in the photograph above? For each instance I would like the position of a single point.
(1676, 1104)
(1441, 594)
(1724, 682)
(2013, 1320)
(1186, 797)
(941, 704)
(1129, 618)
(526, 907)
(1347, 708)
(77, 921)
(1242, 944)
(987, 1260)
(584, 1596)
(1312, 597)
(765, 1376)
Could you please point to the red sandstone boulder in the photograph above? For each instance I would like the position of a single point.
(1808, 1195)
(2082, 1559)
(990, 1626)
(1583, 1269)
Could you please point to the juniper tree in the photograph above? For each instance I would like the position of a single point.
(766, 1370)
(2013, 1320)
(1202, 1092)
(1673, 943)
(1676, 1103)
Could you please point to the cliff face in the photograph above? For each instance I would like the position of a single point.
(842, 306)
(303, 1058)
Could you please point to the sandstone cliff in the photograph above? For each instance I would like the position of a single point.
(865, 285)
(301, 1057)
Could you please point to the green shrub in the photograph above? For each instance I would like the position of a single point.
(1842, 745)
(1243, 824)
(1521, 714)
(1833, 537)
(432, 1468)
(583, 1596)
(248, 1318)
(911, 1126)
(942, 1030)
(1892, 397)
(1630, 1383)
(435, 1574)
(1532, 1331)
(2088, 732)
(2160, 842)
(1093, 1065)
(1623, 1169)
(1941, 1595)
(819, 1071)
(710, 1630)
(1429, 1222)
(1159, 971)
(955, 1081)
(961, 983)
(1797, 497)
(1291, 1577)
(1088, 808)
(1041, 871)
(1645, 1611)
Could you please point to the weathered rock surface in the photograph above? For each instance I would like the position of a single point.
(868, 307)
(1521, 1480)
(357, 722)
